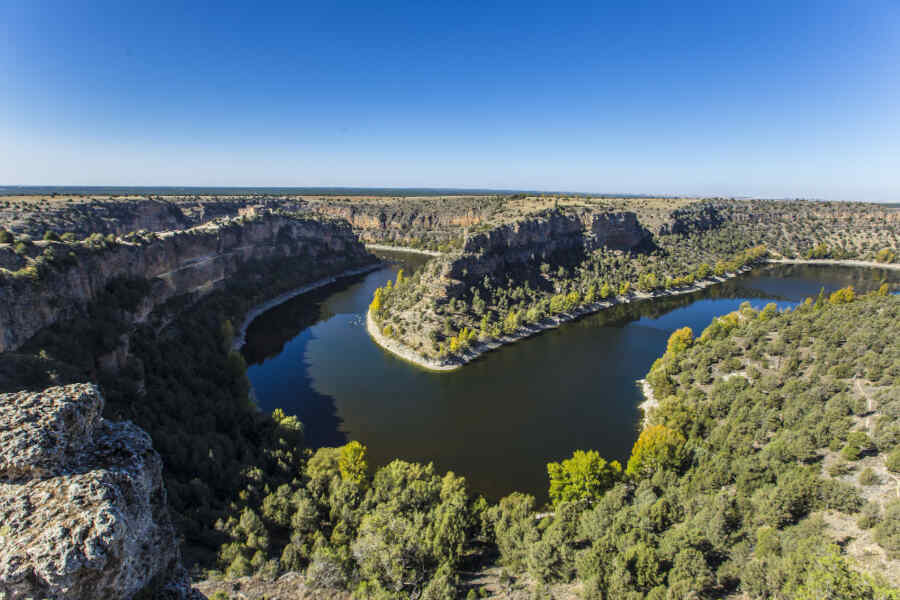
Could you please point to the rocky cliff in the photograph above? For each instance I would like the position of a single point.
(64, 278)
(409, 221)
(543, 235)
(694, 218)
(83, 510)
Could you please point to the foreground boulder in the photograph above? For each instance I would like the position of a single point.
(82, 503)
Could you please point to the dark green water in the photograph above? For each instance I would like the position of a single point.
(500, 419)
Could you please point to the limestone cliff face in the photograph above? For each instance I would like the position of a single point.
(83, 509)
(406, 220)
(618, 230)
(701, 216)
(193, 260)
(545, 234)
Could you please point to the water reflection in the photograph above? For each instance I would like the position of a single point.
(499, 420)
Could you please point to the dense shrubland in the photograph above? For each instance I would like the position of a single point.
(732, 486)
(741, 482)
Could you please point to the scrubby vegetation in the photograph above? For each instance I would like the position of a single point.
(445, 309)
(727, 488)
(776, 433)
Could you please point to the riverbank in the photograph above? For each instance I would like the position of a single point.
(650, 402)
(831, 262)
(402, 351)
(478, 348)
(240, 334)
(403, 249)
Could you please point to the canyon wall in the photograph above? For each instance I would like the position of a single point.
(542, 235)
(193, 260)
(407, 221)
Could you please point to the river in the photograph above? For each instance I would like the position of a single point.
(499, 420)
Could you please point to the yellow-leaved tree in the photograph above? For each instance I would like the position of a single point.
(658, 447)
(582, 478)
(352, 463)
(377, 302)
(680, 340)
(842, 296)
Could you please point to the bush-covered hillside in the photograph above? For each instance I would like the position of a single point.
(769, 468)
(444, 310)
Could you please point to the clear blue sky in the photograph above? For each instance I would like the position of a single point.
(734, 98)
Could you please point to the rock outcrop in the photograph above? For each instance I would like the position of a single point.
(83, 510)
(694, 218)
(408, 220)
(542, 235)
(193, 260)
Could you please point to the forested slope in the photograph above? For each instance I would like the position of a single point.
(523, 275)
(770, 468)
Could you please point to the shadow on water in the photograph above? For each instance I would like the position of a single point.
(292, 324)
(499, 420)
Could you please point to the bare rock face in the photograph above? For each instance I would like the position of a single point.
(188, 261)
(542, 235)
(83, 509)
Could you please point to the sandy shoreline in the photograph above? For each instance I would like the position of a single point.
(837, 263)
(240, 334)
(403, 249)
(478, 348)
(650, 402)
(400, 350)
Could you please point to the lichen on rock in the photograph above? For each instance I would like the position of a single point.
(82, 502)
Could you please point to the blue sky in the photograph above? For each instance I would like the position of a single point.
(775, 99)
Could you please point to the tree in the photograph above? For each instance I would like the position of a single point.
(842, 296)
(680, 340)
(478, 304)
(6, 237)
(377, 302)
(831, 578)
(227, 334)
(557, 304)
(893, 460)
(885, 256)
(352, 463)
(582, 478)
(657, 448)
(515, 530)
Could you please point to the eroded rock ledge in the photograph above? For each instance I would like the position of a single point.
(83, 510)
(194, 261)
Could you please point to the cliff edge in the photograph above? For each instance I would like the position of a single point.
(83, 510)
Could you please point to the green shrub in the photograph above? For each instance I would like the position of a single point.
(839, 468)
(869, 516)
(893, 460)
(868, 477)
(887, 533)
